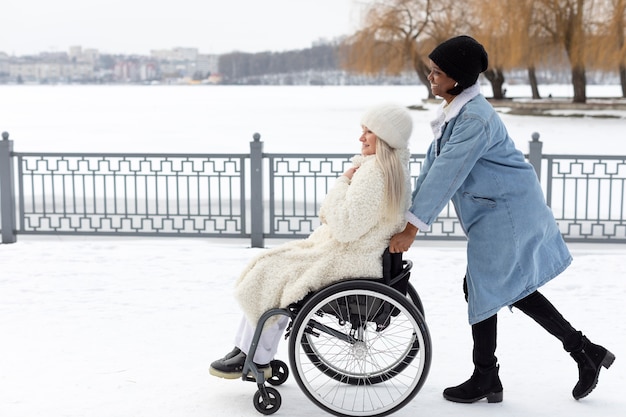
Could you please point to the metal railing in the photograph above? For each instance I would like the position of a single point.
(254, 195)
(587, 195)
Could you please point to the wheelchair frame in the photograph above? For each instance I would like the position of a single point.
(339, 351)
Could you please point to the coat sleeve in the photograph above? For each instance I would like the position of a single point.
(445, 173)
(351, 209)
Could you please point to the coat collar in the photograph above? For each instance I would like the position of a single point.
(358, 160)
(446, 112)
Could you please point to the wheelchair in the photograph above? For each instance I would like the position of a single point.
(358, 347)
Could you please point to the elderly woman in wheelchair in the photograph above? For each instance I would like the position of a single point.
(364, 208)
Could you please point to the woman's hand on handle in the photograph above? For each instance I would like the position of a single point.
(401, 242)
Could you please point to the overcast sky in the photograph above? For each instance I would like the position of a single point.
(138, 26)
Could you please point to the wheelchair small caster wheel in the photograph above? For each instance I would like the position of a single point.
(280, 373)
(268, 405)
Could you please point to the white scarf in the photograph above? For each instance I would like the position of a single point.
(445, 111)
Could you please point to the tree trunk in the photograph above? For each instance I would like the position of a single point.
(496, 78)
(580, 84)
(532, 79)
(622, 79)
(422, 73)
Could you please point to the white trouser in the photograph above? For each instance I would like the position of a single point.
(268, 342)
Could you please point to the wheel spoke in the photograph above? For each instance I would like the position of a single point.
(383, 365)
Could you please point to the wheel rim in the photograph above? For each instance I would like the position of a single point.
(366, 372)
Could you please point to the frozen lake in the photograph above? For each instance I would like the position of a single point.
(222, 119)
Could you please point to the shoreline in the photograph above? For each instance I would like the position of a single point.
(552, 107)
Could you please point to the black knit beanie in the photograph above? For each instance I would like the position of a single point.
(461, 58)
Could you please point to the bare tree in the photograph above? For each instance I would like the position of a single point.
(495, 31)
(527, 46)
(392, 40)
(609, 52)
(566, 23)
(399, 34)
(619, 28)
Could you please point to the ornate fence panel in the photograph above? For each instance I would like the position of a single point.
(587, 195)
(113, 194)
(299, 182)
(297, 186)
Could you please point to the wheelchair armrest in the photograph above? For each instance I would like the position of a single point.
(403, 275)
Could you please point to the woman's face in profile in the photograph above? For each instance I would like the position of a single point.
(368, 142)
(440, 83)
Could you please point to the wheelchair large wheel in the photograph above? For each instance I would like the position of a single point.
(359, 348)
(327, 365)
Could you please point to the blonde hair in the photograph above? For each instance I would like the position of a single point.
(394, 178)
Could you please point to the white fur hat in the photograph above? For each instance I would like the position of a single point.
(391, 123)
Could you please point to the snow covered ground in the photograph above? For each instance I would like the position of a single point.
(127, 327)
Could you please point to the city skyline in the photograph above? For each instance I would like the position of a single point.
(31, 27)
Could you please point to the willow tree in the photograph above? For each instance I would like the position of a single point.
(610, 53)
(449, 18)
(566, 22)
(619, 28)
(526, 43)
(452, 18)
(391, 40)
(494, 32)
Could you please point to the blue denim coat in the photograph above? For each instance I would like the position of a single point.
(514, 245)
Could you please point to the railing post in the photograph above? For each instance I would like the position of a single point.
(534, 153)
(256, 192)
(7, 190)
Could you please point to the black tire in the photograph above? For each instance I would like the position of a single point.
(270, 405)
(415, 298)
(362, 340)
(280, 373)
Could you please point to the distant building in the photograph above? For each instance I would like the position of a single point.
(50, 68)
(76, 53)
(87, 65)
(175, 54)
(207, 64)
(185, 63)
(4, 65)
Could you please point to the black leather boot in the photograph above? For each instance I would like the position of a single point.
(482, 384)
(231, 366)
(590, 358)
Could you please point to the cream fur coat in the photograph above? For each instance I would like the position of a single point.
(348, 244)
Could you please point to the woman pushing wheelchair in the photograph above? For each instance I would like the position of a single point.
(360, 213)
